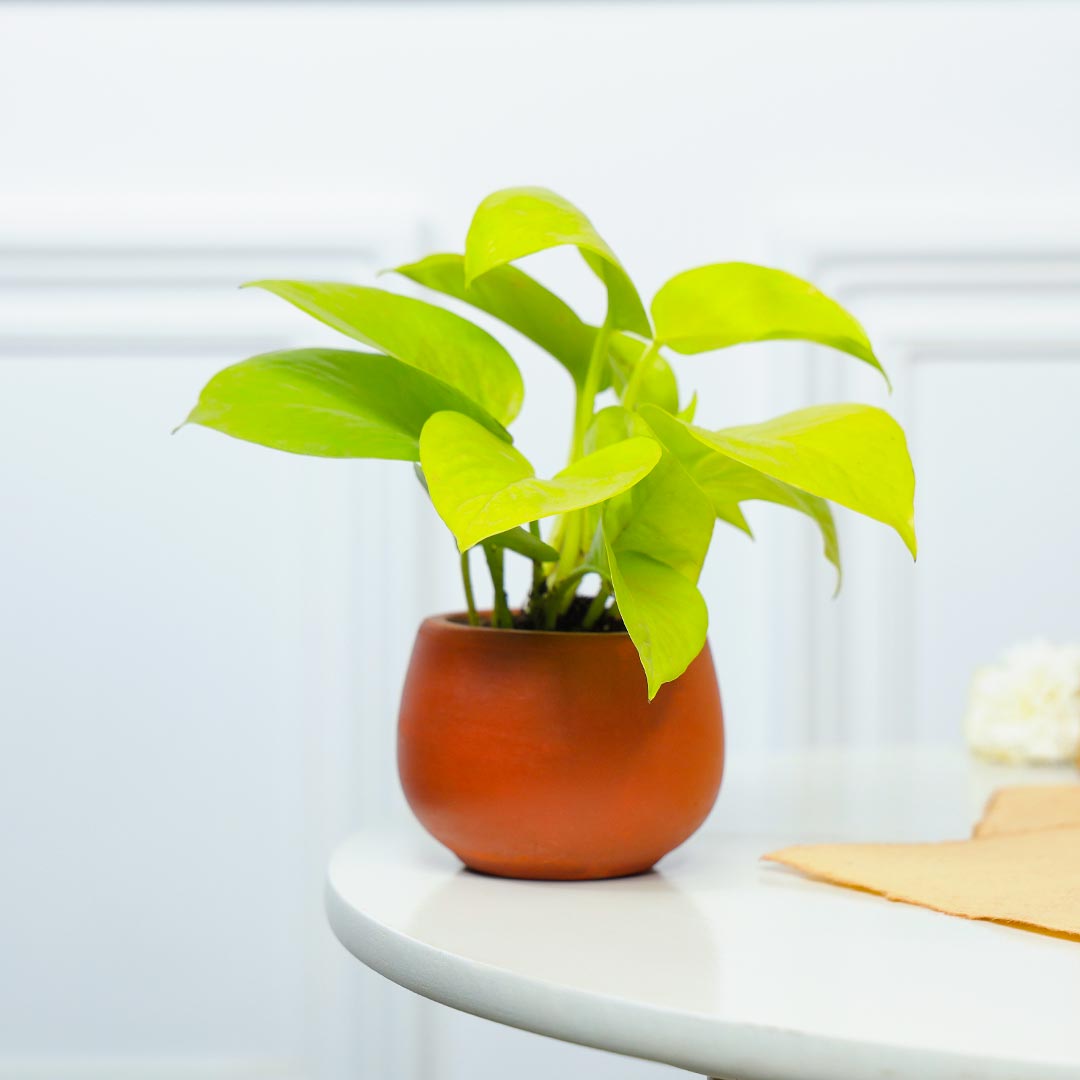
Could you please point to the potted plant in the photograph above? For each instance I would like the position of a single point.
(579, 736)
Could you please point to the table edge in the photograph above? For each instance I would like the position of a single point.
(694, 1042)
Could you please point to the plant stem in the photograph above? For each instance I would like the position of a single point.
(637, 376)
(560, 598)
(538, 568)
(466, 579)
(574, 542)
(570, 547)
(596, 608)
(500, 612)
(586, 400)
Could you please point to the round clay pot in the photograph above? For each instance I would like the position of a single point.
(538, 755)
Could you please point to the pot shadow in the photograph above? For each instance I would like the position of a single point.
(641, 937)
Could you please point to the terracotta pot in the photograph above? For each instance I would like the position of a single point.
(538, 755)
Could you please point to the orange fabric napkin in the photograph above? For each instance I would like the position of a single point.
(1022, 866)
(1021, 809)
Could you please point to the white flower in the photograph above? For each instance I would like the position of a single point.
(1027, 707)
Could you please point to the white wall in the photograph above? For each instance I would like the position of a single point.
(201, 642)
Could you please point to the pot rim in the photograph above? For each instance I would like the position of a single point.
(458, 620)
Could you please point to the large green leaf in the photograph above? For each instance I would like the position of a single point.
(612, 425)
(330, 403)
(664, 614)
(519, 301)
(730, 303)
(481, 485)
(428, 337)
(608, 426)
(655, 538)
(854, 455)
(665, 516)
(515, 222)
(658, 385)
(517, 539)
(728, 483)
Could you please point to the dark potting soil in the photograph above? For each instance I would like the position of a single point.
(571, 620)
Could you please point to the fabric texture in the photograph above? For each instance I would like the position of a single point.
(1022, 867)
(1022, 809)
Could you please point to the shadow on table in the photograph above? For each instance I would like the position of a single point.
(640, 938)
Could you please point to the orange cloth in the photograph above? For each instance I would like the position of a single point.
(1021, 809)
(1021, 867)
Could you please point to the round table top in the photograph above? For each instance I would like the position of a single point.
(730, 967)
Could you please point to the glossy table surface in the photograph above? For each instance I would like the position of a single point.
(728, 967)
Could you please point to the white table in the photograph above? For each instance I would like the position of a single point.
(732, 968)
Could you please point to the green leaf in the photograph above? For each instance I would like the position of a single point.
(517, 539)
(728, 483)
(519, 301)
(481, 485)
(655, 540)
(725, 304)
(709, 469)
(664, 614)
(615, 423)
(524, 543)
(658, 385)
(666, 516)
(427, 337)
(515, 222)
(854, 455)
(330, 403)
(612, 425)
(607, 427)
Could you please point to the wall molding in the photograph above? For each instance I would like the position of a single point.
(933, 289)
(145, 285)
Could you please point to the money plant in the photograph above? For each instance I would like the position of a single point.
(645, 481)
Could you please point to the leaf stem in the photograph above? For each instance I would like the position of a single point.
(538, 567)
(570, 548)
(500, 611)
(596, 608)
(586, 399)
(466, 579)
(637, 376)
(560, 598)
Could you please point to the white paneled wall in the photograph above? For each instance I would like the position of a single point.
(188, 650)
(201, 642)
(982, 332)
